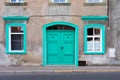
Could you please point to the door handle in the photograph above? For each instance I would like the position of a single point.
(62, 48)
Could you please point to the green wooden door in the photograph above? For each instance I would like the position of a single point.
(60, 47)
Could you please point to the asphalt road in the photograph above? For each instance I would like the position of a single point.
(61, 76)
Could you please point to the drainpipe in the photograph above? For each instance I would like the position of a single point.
(108, 5)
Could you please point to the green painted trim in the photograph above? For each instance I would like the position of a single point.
(44, 43)
(8, 25)
(88, 18)
(103, 37)
(15, 18)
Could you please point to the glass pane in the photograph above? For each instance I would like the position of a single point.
(16, 29)
(56, 1)
(62, 1)
(93, 1)
(59, 1)
(90, 0)
(96, 0)
(97, 31)
(90, 31)
(90, 44)
(97, 44)
(20, 0)
(60, 27)
(16, 41)
(13, 0)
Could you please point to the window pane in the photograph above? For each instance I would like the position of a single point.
(90, 0)
(16, 41)
(13, 0)
(59, 1)
(96, 0)
(16, 29)
(62, 0)
(93, 1)
(56, 0)
(20, 0)
(90, 31)
(97, 31)
(97, 44)
(60, 27)
(90, 44)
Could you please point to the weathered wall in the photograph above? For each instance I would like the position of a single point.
(114, 30)
(37, 9)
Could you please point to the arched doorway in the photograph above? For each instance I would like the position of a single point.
(60, 44)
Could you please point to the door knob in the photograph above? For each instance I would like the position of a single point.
(62, 48)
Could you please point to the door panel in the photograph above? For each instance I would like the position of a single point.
(52, 47)
(68, 43)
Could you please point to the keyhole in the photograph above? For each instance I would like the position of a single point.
(62, 48)
(52, 36)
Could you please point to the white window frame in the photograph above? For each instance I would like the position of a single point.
(17, 1)
(93, 37)
(94, 1)
(60, 2)
(10, 41)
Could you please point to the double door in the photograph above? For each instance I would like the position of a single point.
(60, 47)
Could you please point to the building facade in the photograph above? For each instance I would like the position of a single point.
(55, 32)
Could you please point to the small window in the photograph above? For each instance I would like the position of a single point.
(94, 1)
(94, 39)
(16, 1)
(59, 1)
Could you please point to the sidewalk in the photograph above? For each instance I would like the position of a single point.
(60, 69)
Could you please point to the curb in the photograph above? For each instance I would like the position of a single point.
(63, 71)
(58, 71)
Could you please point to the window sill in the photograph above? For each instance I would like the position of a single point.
(94, 53)
(59, 4)
(15, 4)
(15, 52)
(95, 4)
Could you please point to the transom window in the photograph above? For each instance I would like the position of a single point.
(60, 27)
(17, 1)
(59, 1)
(95, 1)
(94, 39)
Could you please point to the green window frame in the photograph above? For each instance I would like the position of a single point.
(8, 38)
(87, 44)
